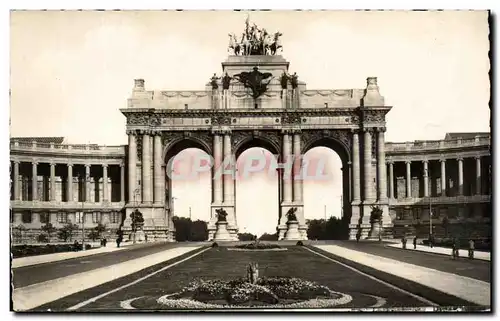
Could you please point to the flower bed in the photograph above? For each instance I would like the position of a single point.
(32, 250)
(258, 246)
(267, 292)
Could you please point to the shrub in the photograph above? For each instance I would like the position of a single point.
(214, 244)
(42, 238)
(258, 246)
(299, 243)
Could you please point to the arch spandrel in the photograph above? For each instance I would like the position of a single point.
(338, 140)
(175, 142)
(243, 140)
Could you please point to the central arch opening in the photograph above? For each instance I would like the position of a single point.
(257, 204)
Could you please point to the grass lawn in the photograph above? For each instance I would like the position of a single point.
(219, 263)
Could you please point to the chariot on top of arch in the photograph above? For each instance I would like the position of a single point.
(254, 41)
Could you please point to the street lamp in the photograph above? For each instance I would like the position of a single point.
(429, 181)
(84, 199)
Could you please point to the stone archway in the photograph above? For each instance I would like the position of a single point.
(173, 143)
(243, 141)
(223, 117)
(339, 142)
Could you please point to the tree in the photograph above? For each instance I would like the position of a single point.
(96, 232)
(376, 218)
(316, 229)
(49, 229)
(19, 232)
(137, 222)
(268, 237)
(246, 237)
(182, 228)
(198, 231)
(66, 232)
(42, 238)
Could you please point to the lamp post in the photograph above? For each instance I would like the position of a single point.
(136, 193)
(84, 199)
(430, 204)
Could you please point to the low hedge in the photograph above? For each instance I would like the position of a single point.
(258, 246)
(32, 250)
(479, 244)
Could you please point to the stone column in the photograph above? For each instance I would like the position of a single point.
(132, 165)
(16, 180)
(146, 169)
(426, 178)
(297, 177)
(158, 192)
(443, 177)
(228, 179)
(460, 161)
(408, 179)
(287, 182)
(34, 181)
(69, 184)
(122, 182)
(478, 175)
(391, 179)
(52, 182)
(87, 182)
(356, 184)
(382, 167)
(104, 183)
(217, 179)
(368, 181)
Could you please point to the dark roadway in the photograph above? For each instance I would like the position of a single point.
(476, 269)
(24, 276)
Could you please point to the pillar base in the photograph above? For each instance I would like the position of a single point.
(292, 233)
(355, 220)
(232, 228)
(157, 225)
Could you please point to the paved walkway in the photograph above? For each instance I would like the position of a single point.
(479, 255)
(54, 257)
(469, 289)
(31, 296)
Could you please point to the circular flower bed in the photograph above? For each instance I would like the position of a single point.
(258, 246)
(267, 292)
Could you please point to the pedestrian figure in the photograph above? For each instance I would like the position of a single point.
(146, 238)
(457, 247)
(403, 240)
(471, 249)
(104, 242)
(431, 241)
(76, 246)
(415, 243)
(358, 236)
(453, 250)
(118, 241)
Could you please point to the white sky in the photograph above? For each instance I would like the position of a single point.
(72, 71)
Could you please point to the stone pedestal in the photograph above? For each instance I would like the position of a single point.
(375, 231)
(221, 233)
(140, 236)
(292, 232)
(232, 228)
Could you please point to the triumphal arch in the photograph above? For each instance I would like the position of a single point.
(256, 102)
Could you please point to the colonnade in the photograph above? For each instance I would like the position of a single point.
(444, 174)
